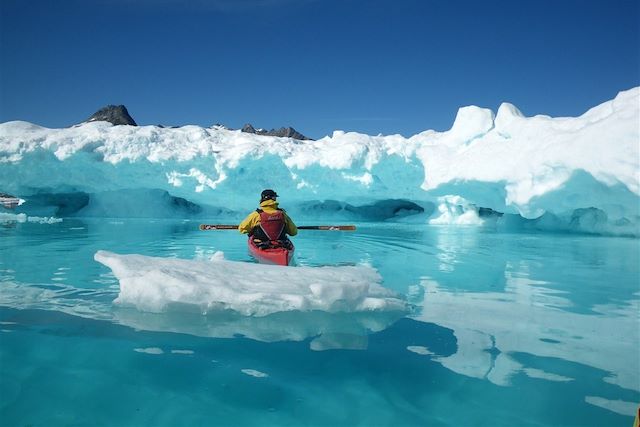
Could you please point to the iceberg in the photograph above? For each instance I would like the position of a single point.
(532, 173)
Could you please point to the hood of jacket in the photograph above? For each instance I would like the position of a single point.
(269, 204)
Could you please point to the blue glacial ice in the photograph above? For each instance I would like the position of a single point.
(504, 171)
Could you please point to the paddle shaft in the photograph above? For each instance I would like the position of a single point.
(205, 227)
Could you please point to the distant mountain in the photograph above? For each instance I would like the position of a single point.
(118, 115)
(287, 132)
(115, 114)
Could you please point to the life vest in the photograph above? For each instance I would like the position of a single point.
(271, 226)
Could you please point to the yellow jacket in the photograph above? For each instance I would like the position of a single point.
(269, 206)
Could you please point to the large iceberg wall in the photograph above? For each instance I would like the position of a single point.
(531, 167)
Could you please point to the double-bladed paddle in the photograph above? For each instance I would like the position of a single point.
(205, 227)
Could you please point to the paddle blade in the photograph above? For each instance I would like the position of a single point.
(328, 227)
(205, 227)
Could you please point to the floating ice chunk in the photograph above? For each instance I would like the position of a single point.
(22, 218)
(254, 373)
(165, 284)
(423, 351)
(149, 350)
(43, 220)
(8, 217)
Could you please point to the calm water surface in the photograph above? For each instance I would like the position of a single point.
(504, 329)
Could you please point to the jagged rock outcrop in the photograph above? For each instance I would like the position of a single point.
(250, 129)
(283, 132)
(115, 114)
(118, 115)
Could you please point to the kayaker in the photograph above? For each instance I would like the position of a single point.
(269, 225)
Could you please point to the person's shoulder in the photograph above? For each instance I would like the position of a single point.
(252, 215)
(285, 213)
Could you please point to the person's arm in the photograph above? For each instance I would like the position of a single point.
(249, 222)
(290, 227)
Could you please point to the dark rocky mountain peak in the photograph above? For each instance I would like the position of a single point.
(290, 132)
(283, 132)
(250, 129)
(115, 114)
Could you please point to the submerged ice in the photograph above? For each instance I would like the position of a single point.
(503, 169)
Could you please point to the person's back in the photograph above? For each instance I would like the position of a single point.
(269, 224)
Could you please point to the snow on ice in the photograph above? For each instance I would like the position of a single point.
(168, 284)
(504, 170)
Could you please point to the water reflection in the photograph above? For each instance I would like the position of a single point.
(326, 330)
(453, 244)
(532, 318)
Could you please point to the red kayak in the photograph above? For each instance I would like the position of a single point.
(278, 256)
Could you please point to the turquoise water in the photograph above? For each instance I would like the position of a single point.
(504, 329)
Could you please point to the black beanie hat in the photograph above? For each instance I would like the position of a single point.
(268, 194)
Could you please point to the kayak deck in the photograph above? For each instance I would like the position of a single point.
(278, 256)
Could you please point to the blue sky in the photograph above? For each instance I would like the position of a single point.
(372, 66)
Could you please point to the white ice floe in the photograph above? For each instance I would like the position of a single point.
(421, 350)
(164, 284)
(22, 218)
(254, 373)
(149, 350)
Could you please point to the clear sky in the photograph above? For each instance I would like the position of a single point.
(372, 66)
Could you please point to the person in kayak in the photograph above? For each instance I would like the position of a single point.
(269, 225)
